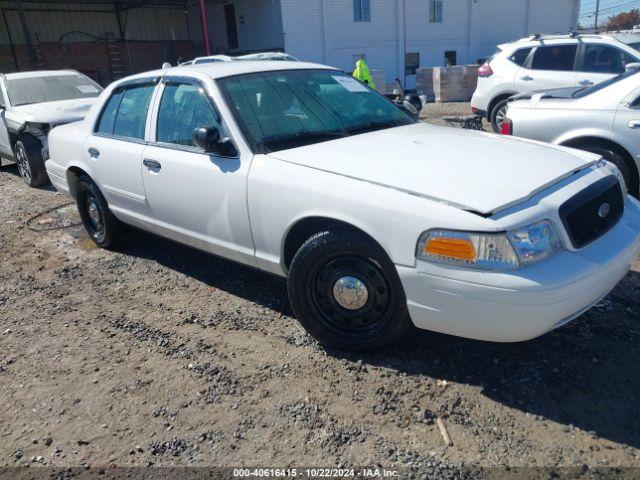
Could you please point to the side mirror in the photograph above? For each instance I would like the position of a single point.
(208, 139)
(630, 67)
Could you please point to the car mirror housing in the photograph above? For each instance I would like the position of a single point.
(209, 140)
(631, 67)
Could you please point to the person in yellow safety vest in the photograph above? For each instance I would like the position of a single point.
(363, 74)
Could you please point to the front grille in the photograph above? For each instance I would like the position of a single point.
(593, 212)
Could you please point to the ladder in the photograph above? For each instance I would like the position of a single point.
(115, 59)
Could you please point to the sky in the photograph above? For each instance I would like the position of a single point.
(607, 8)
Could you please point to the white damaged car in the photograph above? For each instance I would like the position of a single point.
(31, 103)
(378, 222)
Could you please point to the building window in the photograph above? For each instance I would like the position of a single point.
(435, 11)
(451, 58)
(411, 63)
(361, 10)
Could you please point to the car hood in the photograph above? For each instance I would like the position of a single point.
(63, 111)
(474, 171)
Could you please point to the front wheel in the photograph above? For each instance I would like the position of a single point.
(30, 164)
(619, 161)
(98, 221)
(346, 292)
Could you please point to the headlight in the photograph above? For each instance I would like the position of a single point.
(489, 251)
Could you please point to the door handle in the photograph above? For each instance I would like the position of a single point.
(154, 164)
(586, 83)
(94, 152)
(634, 124)
(527, 78)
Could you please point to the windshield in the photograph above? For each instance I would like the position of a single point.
(287, 109)
(596, 88)
(24, 91)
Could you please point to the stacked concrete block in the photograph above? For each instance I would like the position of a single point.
(455, 84)
(424, 83)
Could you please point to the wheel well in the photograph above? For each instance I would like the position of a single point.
(495, 101)
(307, 227)
(73, 174)
(583, 142)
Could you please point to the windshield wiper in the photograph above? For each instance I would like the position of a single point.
(372, 126)
(281, 142)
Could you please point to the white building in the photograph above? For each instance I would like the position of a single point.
(393, 35)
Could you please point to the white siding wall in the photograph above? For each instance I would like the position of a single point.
(324, 30)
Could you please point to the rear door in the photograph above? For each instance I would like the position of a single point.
(114, 150)
(598, 63)
(550, 66)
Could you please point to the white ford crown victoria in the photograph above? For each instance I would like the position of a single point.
(377, 221)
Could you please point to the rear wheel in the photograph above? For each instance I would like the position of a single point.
(30, 163)
(98, 221)
(498, 114)
(346, 292)
(610, 155)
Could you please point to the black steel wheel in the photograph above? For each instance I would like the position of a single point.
(346, 292)
(94, 211)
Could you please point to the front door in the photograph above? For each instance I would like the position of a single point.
(232, 28)
(5, 144)
(114, 152)
(551, 66)
(601, 62)
(195, 197)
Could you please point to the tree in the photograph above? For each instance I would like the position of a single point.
(624, 20)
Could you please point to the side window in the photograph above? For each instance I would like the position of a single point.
(520, 56)
(183, 108)
(125, 114)
(108, 116)
(605, 59)
(555, 57)
(132, 112)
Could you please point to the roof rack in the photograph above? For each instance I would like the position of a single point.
(542, 36)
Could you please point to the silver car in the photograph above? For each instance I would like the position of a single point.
(603, 119)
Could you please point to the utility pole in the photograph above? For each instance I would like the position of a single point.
(597, 13)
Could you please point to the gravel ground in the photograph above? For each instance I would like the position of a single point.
(156, 354)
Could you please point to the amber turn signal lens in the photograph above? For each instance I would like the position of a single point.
(458, 248)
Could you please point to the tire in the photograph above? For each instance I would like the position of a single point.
(346, 292)
(630, 178)
(98, 221)
(30, 162)
(495, 117)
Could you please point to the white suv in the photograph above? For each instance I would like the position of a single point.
(545, 62)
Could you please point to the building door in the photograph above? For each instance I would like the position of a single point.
(232, 29)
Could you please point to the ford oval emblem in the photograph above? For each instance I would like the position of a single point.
(604, 210)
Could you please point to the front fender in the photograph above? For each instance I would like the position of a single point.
(580, 133)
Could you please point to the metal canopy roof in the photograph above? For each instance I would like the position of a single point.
(118, 4)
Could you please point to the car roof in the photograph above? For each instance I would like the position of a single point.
(39, 73)
(228, 69)
(537, 40)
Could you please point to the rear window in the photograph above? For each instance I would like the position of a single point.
(520, 56)
(560, 58)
